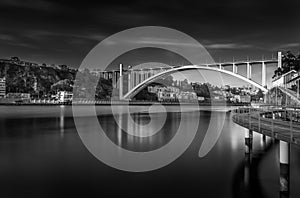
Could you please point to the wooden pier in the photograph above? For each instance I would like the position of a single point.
(281, 124)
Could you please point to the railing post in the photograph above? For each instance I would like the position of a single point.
(291, 126)
(239, 118)
(243, 118)
(272, 123)
(249, 111)
(258, 120)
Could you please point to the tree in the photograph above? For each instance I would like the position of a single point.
(167, 80)
(289, 62)
(145, 95)
(62, 85)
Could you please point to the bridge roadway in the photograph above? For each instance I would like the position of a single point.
(287, 131)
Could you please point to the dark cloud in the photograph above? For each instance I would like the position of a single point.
(64, 31)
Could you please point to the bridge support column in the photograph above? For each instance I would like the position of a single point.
(279, 56)
(248, 141)
(136, 78)
(220, 66)
(143, 75)
(234, 68)
(114, 79)
(264, 141)
(263, 74)
(129, 80)
(284, 159)
(248, 70)
(248, 149)
(121, 82)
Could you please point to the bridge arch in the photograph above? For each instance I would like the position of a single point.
(140, 86)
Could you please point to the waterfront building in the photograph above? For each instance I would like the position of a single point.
(64, 96)
(158, 88)
(166, 96)
(18, 97)
(201, 98)
(242, 98)
(284, 79)
(187, 96)
(2, 87)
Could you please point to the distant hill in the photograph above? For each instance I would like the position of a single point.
(24, 79)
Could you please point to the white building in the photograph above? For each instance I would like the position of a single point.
(64, 96)
(157, 88)
(166, 96)
(283, 79)
(187, 96)
(2, 87)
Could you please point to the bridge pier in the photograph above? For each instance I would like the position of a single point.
(234, 68)
(220, 66)
(248, 70)
(129, 81)
(284, 159)
(121, 82)
(248, 141)
(279, 56)
(263, 74)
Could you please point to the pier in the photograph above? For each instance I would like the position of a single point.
(281, 124)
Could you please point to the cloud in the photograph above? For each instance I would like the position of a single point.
(29, 4)
(6, 37)
(153, 41)
(42, 34)
(288, 45)
(227, 46)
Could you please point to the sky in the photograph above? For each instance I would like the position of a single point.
(63, 32)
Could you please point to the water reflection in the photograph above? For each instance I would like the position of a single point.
(36, 159)
(131, 140)
(246, 181)
(62, 121)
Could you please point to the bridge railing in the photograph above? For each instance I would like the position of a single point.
(271, 120)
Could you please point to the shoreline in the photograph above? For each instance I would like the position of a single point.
(117, 103)
(57, 111)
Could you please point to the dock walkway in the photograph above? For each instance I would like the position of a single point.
(286, 129)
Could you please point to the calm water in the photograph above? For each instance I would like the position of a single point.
(41, 155)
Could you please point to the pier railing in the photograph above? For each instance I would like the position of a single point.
(277, 122)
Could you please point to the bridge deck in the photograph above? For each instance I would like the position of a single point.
(278, 129)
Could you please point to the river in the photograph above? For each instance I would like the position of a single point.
(42, 155)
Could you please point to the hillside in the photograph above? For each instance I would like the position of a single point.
(23, 79)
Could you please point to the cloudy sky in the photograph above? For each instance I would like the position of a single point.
(63, 32)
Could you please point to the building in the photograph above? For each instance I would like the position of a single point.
(242, 98)
(166, 96)
(18, 97)
(158, 88)
(2, 87)
(187, 96)
(201, 98)
(64, 96)
(284, 79)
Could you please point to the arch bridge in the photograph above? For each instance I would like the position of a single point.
(138, 78)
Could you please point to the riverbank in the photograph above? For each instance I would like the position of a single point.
(36, 111)
(126, 103)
